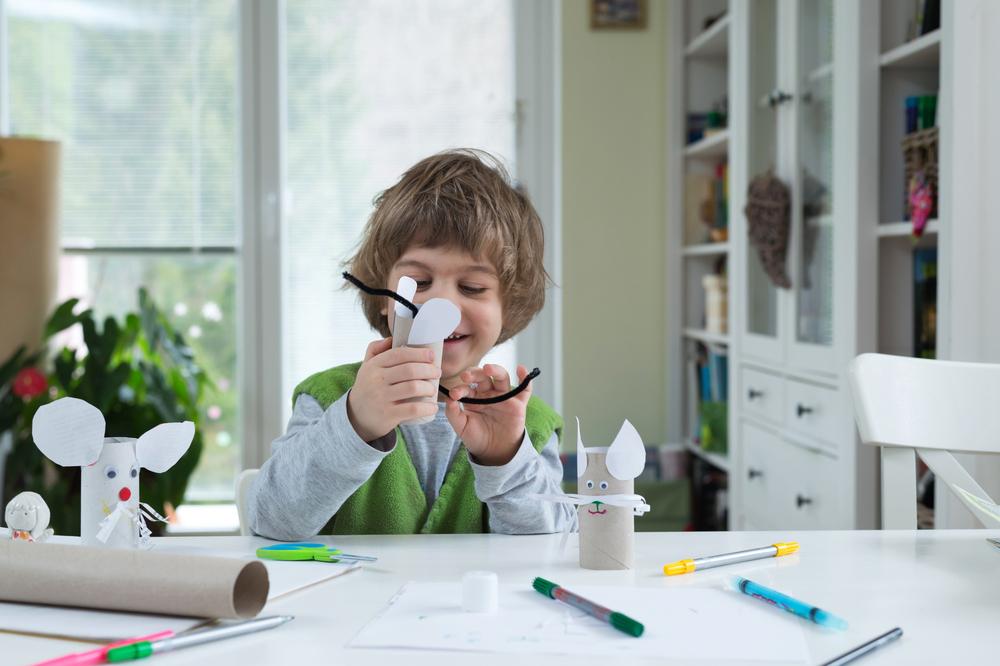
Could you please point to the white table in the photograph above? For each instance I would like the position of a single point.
(941, 587)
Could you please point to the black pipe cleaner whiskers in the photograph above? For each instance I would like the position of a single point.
(413, 308)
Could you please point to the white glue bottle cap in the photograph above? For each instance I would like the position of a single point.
(480, 592)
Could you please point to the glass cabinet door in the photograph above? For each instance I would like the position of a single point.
(763, 297)
(813, 217)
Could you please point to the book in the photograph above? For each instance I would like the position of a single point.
(925, 302)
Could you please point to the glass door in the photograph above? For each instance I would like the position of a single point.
(813, 215)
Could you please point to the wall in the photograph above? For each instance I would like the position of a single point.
(613, 212)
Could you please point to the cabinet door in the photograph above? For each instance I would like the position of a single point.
(759, 68)
(813, 216)
(760, 479)
(810, 496)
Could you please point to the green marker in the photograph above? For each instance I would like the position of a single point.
(617, 620)
(144, 649)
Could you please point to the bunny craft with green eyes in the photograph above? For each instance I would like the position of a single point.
(70, 432)
(607, 502)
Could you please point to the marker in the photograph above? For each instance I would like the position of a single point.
(691, 565)
(615, 619)
(865, 648)
(145, 649)
(790, 604)
(98, 655)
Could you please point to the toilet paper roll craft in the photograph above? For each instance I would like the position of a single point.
(70, 432)
(427, 325)
(607, 505)
(27, 515)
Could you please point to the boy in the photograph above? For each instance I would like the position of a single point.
(345, 465)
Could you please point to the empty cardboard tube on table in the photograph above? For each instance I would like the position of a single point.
(138, 581)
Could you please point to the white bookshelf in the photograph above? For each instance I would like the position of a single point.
(706, 249)
(713, 146)
(924, 51)
(714, 459)
(712, 42)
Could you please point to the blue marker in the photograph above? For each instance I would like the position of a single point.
(785, 602)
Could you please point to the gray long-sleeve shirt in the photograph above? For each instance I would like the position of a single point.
(320, 461)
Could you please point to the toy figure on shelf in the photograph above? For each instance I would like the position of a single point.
(27, 516)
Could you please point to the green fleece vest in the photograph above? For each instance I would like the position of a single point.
(391, 501)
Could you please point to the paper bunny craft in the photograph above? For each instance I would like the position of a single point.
(436, 320)
(70, 432)
(27, 516)
(607, 503)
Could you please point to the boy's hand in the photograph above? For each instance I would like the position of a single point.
(386, 378)
(491, 433)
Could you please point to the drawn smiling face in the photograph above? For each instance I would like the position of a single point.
(597, 481)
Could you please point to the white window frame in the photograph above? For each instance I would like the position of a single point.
(262, 233)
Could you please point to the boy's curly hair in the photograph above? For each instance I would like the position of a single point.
(463, 199)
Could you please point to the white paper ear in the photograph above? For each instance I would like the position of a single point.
(158, 449)
(406, 288)
(437, 319)
(626, 455)
(581, 453)
(69, 431)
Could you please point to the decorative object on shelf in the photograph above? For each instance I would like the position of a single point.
(606, 499)
(767, 211)
(713, 210)
(618, 14)
(920, 157)
(138, 371)
(27, 516)
(716, 304)
(70, 432)
(29, 239)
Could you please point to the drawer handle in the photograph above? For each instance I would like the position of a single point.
(801, 500)
(753, 394)
(754, 473)
(801, 410)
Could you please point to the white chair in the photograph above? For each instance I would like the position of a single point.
(243, 483)
(911, 405)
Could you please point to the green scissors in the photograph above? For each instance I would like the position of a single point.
(291, 552)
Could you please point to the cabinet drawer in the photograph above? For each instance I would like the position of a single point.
(760, 473)
(808, 497)
(813, 411)
(761, 395)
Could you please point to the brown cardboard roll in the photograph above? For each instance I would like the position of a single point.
(29, 239)
(607, 533)
(130, 580)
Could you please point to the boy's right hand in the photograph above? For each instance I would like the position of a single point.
(386, 378)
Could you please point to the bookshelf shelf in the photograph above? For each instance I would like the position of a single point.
(822, 72)
(704, 336)
(706, 250)
(712, 43)
(924, 51)
(720, 461)
(903, 229)
(715, 145)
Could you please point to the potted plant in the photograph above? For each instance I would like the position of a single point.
(138, 371)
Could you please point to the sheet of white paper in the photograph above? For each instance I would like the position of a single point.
(103, 626)
(683, 624)
(437, 319)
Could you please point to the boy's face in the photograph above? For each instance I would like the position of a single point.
(469, 283)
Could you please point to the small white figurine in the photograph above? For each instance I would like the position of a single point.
(27, 516)
(70, 432)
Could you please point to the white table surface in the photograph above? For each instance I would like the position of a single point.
(941, 587)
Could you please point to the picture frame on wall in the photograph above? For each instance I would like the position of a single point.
(618, 14)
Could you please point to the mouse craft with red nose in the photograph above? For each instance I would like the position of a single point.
(70, 432)
(607, 502)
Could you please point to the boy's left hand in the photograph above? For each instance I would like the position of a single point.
(491, 433)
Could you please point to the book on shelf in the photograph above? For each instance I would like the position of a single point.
(708, 408)
(925, 302)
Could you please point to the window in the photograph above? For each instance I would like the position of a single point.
(373, 88)
(142, 94)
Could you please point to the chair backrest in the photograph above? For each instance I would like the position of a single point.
(912, 405)
(243, 483)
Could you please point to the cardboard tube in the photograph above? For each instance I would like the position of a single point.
(29, 239)
(607, 533)
(129, 580)
(400, 333)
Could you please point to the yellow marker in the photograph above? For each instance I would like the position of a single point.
(689, 566)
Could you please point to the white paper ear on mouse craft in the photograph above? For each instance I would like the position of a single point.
(581, 452)
(627, 454)
(437, 319)
(70, 432)
(159, 448)
(407, 288)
